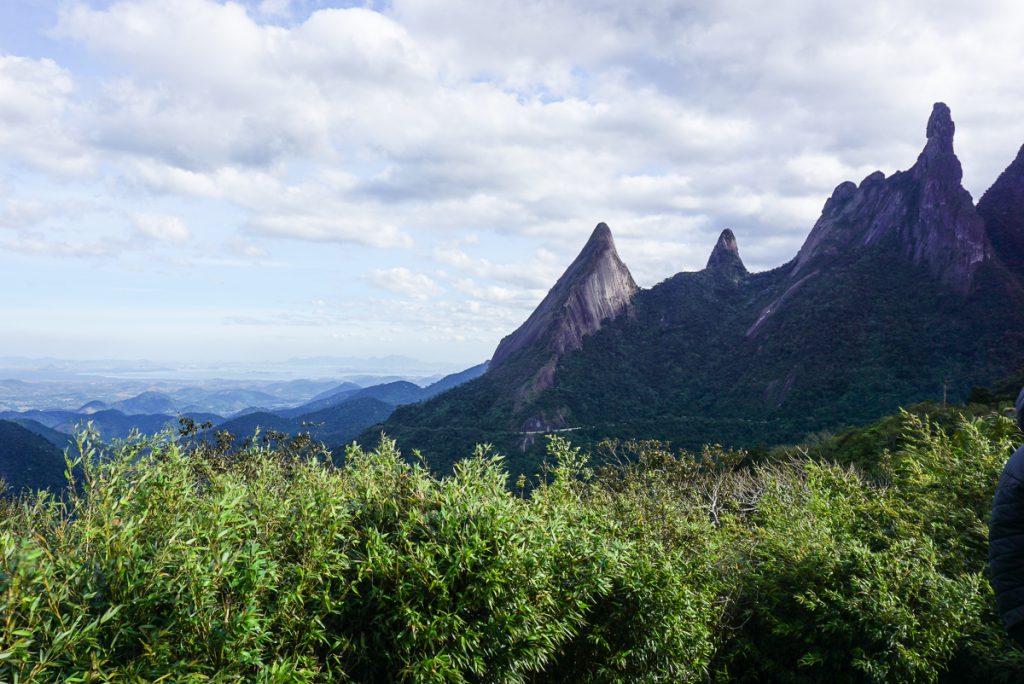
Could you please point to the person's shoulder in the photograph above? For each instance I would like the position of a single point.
(1014, 467)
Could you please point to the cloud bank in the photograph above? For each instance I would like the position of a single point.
(455, 154)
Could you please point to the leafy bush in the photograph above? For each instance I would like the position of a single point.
(834, 595)
(655, 618)
(248, 565)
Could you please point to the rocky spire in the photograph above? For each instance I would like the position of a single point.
(596, 287)
(1002, 210)
(725, 257)
(946, 233)
(939, 132)
(924, 212)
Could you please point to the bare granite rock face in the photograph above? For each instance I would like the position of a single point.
(1002, 209)
(596, 287)
(925, 210)
(725, 257)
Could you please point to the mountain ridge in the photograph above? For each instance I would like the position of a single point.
(925, 210)
(896, 296)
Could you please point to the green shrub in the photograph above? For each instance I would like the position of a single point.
(655, 616)
(255, 565)
(207, 562)
(833, 595)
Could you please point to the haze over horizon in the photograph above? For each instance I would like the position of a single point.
(266, 180)
(372, 370)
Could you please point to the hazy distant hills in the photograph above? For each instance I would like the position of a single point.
(110, 423)
(334, 425)
(147, 402)
(341, 414)
(902, 292)
(331, 413)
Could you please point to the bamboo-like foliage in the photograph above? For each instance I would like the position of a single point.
(173, 561)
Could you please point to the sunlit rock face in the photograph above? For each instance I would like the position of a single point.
(596, 287)
(925, 210)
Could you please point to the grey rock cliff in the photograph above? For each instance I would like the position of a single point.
(925, 210)
(596, 287)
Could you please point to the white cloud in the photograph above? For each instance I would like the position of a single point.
(524, 300)
(401, 280)
(41, 246)
(316, 228)
(23, 213)
(35, 96)
(244, 249)
(161, 228)
(365, 140)
(538, 272)
(210, 86)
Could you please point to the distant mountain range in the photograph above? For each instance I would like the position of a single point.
(903, 291)
(341, 414)
(334, 416)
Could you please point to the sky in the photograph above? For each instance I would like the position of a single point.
(257, 181)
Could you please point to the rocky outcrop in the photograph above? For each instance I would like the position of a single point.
(725, 257)
(1002, 210)
(596, 287)
(925, 211)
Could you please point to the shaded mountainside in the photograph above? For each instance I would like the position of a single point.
(1002, 209)
(110, 423)
(395, 393)
(28, 461)
(61, 440)
(902, 293)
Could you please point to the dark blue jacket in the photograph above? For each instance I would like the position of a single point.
(1006, 541)
(1006, 536)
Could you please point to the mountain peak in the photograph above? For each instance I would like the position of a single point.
(599, 242)
(937, 159)
(941, 128)
(602, 236)
(596, 287)
(924, 212)
(725, 257)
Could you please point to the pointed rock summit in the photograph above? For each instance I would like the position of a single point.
(939, 132)
(725, 257)
(924, 212)
(596, 287)
(1002, 209)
